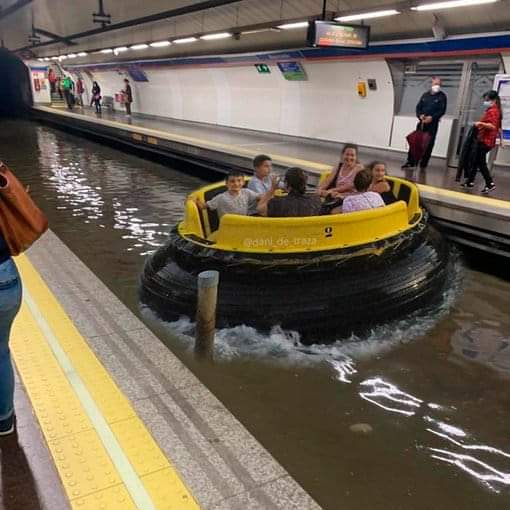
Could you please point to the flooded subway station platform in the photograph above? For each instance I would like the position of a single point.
(414, 413)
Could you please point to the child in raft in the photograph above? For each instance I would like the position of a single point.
(236, 200)
(363, 198)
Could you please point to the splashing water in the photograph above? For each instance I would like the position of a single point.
(284, 347)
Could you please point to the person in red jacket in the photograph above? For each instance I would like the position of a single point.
(488, 127)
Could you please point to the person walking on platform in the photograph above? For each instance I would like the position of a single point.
(429, 110)
(67, 87)
(96, 96)
(79, 91)
(128, 96)
(488, 127)
(10, 301)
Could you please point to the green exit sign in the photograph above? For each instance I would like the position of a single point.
(263, 68)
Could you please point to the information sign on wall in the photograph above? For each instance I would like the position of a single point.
(292, 71)
(137, 73)
(502, 85)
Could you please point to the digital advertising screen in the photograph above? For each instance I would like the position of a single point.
(337, 35)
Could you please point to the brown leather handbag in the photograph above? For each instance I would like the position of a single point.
(21, 221)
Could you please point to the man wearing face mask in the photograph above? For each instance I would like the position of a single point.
(429, 110)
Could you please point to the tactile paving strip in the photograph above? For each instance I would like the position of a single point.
(84, 465)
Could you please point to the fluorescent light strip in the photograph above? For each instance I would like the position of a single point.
(106, 50)
(120, 49)
(212, 37)
(290, 26)
(160, 44)
(368, 15)
(137, 47)
(82, 54)
(71, 55)
(185, 40)
(450, 4)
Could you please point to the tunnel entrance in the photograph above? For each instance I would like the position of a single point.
(15, 91)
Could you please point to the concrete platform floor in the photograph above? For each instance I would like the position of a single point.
(99, 380)
(437, 174)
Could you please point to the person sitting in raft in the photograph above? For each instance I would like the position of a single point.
(379, 183)
(341, 182)
(363, 199)
(236, 200)
(262, 180)
(296, 203)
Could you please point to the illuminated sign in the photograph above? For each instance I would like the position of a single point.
(263, 68)
(337, 35)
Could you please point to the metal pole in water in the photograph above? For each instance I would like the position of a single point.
(206, 313)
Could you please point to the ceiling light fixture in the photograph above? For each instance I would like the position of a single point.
(213, 37)
(290, 26)
(106, 50)
(72, 55)
(120, 49)
(185, 40)
(82, 54)
(54, 58)
(137, 47)
(368, 15)
(160, 44)
(450, 4)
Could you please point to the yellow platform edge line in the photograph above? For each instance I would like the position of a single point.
(47, 380)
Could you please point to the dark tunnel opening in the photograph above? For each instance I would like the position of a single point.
(15, 90)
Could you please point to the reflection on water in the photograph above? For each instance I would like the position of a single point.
(483, 343)
(106, 193)
(486, 464)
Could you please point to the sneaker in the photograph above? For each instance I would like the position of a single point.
(468, 184)
(407, 165)
(7, 425)
(488, 188)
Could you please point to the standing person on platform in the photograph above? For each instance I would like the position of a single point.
(128, 96)
(96, 96)
(52, 78)
(429, 110)
(79, 90)
(67, 85)
(10, 301)
(488, 129)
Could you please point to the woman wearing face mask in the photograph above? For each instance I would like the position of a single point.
(341, 181)
(488, 128)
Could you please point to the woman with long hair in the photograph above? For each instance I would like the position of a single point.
(341, 181)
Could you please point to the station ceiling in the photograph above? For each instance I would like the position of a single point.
(47, 28)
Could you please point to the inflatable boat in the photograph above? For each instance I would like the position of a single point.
(322, 276)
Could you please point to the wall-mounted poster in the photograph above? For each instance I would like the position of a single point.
(502, 85)
(137, 73)
(292, 71)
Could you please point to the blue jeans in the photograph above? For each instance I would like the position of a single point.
(10, 301)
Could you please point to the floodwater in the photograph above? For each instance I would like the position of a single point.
(413, 416)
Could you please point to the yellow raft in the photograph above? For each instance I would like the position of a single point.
(317, 275)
